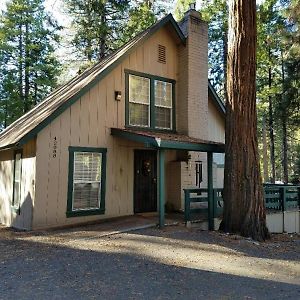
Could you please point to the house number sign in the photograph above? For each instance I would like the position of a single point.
(54, 147)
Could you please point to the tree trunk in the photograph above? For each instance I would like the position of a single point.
(26, 72)
(284, 150)
(20, 52)
(265, 151)
(244, 210)
(284, 127)
(271, 128)
(225, 53)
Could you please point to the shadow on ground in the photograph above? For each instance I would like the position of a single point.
(30, 270)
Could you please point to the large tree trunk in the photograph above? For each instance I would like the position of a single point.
(265, 151)
(244, 210)
(271, 127)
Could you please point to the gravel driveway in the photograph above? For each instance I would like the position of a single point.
(174, 263)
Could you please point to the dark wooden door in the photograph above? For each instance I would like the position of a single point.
(145, 181)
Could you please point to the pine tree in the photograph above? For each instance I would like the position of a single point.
(99, 26)
(28, 66)
(143, 14)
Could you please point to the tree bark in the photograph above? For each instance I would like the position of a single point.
(244, 210)
(271, 128)
(265, 151)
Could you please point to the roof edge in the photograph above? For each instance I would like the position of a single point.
(219, 103)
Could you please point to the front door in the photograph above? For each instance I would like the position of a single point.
(145, 181)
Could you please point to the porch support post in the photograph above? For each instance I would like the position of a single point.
(210, 190)
(161, 187)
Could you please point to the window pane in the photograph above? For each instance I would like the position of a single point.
(87, 180)
(17, 180)
(139, 89)
(138, 114)
(86, 195)
(163, 93)
(163, 117)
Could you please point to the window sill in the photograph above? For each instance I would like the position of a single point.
(140, 128)
(81, 213)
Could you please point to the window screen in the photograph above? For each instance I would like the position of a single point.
(163, 104)
(139, 101)
(87, 180)
(17, 180)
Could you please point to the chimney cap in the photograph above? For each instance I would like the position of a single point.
(192, 6)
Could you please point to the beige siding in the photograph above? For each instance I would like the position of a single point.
(87, 123)
(216, 123)
(7, 215)
(6, 185)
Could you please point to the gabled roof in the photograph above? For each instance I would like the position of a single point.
(31, 123)
(27, 126)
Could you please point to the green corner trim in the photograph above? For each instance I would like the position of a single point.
(87, 212)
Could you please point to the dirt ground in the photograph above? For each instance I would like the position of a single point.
(174, 263)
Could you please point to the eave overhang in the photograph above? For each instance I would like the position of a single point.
(172, 141)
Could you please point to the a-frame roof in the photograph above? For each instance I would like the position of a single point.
(27, 126)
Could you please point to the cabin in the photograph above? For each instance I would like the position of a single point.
(124, 137)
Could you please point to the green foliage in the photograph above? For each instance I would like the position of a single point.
(28, 66)
(181, 7)
(215, 12)
(143, 14)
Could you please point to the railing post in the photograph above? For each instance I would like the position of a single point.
(161, 186)
(283, 198)
(211, 225)
(187, 206)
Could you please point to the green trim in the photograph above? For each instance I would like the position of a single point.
(168, 19)
(153, 142)
(152, 78)
(218, 102)
(88, 212)
(161, 193)
(15, 208)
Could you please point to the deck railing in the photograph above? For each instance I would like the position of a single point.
(277, 198)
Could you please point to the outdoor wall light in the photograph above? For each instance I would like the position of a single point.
(118, 95)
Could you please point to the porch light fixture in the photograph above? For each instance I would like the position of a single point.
(118, 95)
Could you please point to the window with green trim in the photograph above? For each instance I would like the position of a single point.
(87, 168)
(17, 180)
(150, 101)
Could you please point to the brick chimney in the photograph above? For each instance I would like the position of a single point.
(192, 104)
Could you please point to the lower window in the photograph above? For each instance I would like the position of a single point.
(86, 195)
(17, 180)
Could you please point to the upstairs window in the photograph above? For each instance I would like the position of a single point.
(139, 101)
(163, 104)
(150, 101)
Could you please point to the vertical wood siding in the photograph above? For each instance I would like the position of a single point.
(8, 216)
(87, 123)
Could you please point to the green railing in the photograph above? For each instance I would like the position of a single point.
(199, 200)
(277, 198)
(282, 197)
